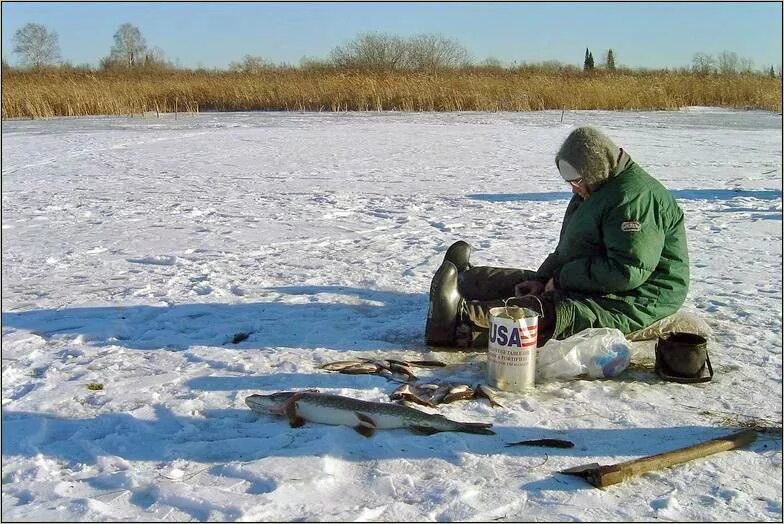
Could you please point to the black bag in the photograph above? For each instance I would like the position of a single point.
(683, 357)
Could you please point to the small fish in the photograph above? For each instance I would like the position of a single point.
(340, 364)
(427, 392)
(384, 364)
(407, 393)
(440, 393)
(418, 363)
(363, 368)
(387, 368)
(389, 375)
(444, 392)
(365, 417)
(487, 392)
(459, 392)
(544, 443)
(402, 370)
(426, 363)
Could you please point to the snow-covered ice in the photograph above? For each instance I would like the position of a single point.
(134, 250)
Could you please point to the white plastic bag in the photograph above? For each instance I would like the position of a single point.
(591, 353)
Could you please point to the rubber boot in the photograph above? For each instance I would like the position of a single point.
(458, 254)
(445, 304)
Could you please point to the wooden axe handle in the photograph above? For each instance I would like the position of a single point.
(615, 473)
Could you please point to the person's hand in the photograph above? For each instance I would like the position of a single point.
(529, 287)
(550, 286)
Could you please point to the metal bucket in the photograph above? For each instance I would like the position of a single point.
(511, 348)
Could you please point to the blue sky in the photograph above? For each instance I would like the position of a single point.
(215, 34)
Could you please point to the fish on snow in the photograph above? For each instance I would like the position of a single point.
(364, 416)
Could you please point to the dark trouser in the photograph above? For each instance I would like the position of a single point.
(484, 288)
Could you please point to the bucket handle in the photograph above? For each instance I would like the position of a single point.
(541, 306)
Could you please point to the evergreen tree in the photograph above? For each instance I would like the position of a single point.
(590, 61)
(610, 60)
(585, 62)
(772, 73)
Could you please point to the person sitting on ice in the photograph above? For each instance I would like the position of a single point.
(621, 260)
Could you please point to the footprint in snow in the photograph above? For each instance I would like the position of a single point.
(441, 226)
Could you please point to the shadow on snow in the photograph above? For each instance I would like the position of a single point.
(368, 319)
(222, 436)
(680, 194)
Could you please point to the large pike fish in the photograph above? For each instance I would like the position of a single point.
(365, 417)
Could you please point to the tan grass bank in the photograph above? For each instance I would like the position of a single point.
(29, 94)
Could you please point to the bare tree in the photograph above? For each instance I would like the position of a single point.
(381, 51)
(129, 45)
(154, 56)
(371, 51)
(491, 62)
(745, 65)
(36, 45)
(429, 52)
(315, 64)
(728, 63)
(702, 64)
(249, 64)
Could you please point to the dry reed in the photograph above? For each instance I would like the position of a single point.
(29, 94)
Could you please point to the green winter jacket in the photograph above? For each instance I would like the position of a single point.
(622, 259)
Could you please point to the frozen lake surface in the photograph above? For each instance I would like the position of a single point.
(134, 250)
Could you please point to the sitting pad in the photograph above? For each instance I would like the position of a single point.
(679, 322)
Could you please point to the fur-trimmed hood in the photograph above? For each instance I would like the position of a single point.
(593, 154)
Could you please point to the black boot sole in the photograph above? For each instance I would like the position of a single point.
(458, 254)
(444, 307)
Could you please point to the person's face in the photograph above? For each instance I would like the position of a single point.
(579, 187)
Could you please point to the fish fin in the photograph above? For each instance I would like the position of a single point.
(365, 431)
(365, 420)
(290, 410)
(423, 430)
(366, 426)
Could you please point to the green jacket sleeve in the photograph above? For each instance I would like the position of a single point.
(633, 243)
(547, 269)
(553, 260)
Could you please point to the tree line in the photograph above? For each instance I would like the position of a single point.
(608, 62)
(38, 47)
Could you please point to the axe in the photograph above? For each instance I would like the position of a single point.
(602, 476)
